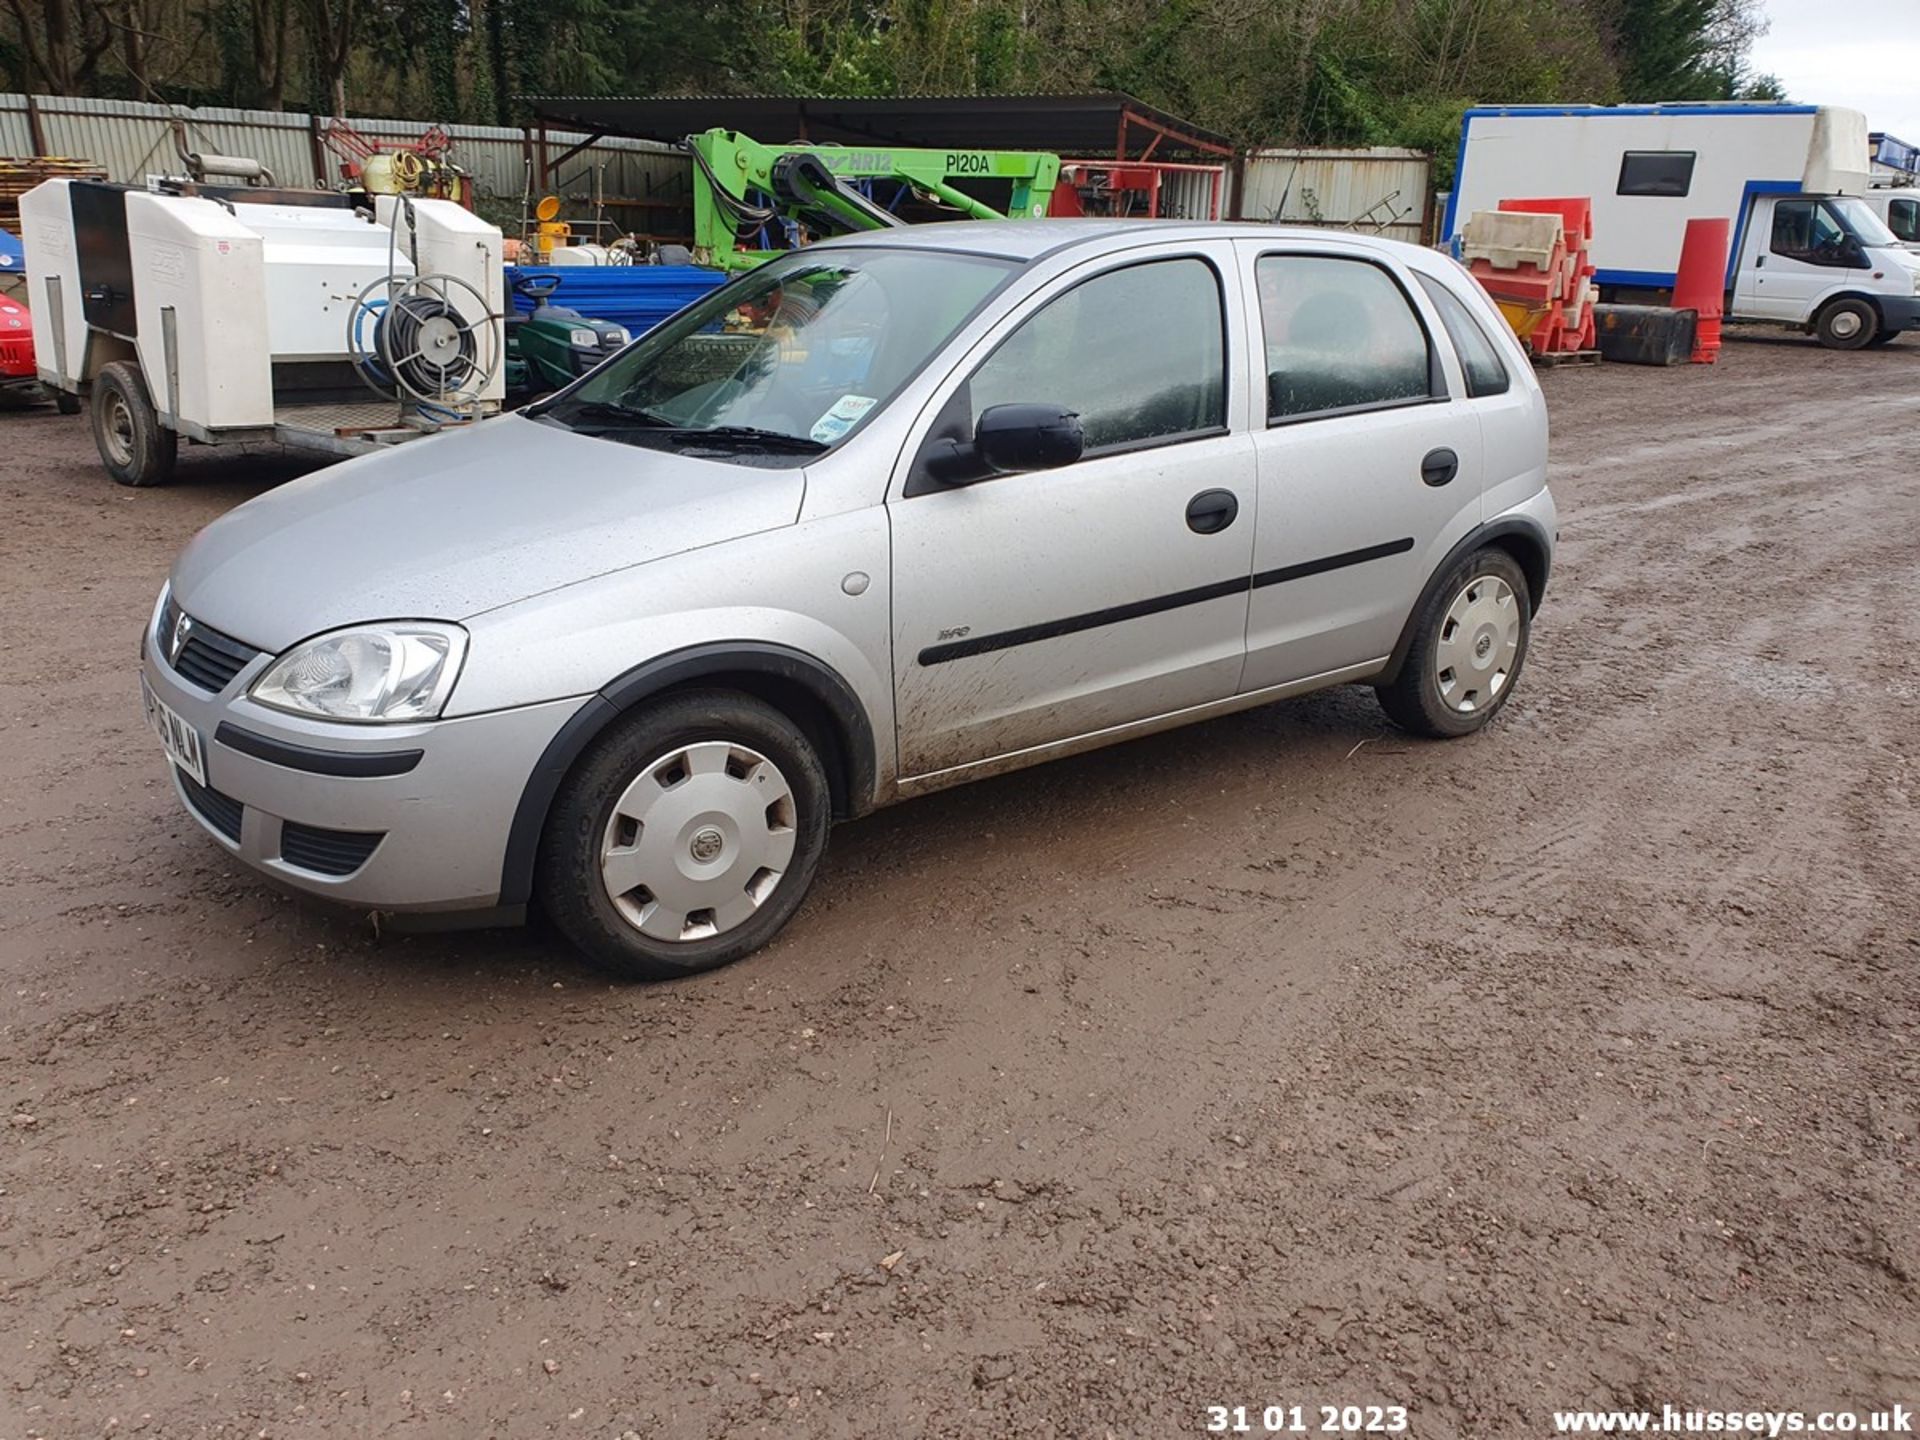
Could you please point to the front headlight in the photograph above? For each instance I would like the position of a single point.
(616, 337)
(401, 671)
(584, 337)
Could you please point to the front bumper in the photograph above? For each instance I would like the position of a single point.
(432, 837)
(1900, 312)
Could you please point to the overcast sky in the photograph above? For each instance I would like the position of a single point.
(1863, 53)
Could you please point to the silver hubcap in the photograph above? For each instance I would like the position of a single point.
(119, 430)
(698, 841)
(1845, 325)
(1479, 640)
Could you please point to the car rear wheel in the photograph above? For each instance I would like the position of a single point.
(686, 836)
(133, 445)
(1847, 325)
(1469, 642)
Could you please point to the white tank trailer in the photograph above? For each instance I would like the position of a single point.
(230, 313)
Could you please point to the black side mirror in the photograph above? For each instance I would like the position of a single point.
(1009, 440)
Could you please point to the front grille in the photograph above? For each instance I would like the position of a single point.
(222, 812)
(208, 659)
(327, 852)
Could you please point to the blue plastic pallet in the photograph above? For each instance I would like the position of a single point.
(636, 296)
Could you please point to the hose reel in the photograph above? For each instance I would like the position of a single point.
(429, 339)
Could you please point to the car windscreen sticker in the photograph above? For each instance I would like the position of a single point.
(844, 415)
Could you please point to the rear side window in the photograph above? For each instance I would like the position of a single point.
(1903, 218)
(1655, 172)
(1340, 335)
(1486, 374)
(1139, 353)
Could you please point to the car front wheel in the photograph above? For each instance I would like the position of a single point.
(1469, 642)
(686, 836)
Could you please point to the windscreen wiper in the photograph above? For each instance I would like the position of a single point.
(612, 410)
(744, 435)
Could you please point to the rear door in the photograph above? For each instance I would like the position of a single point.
(1370, 462)
(1035, 608)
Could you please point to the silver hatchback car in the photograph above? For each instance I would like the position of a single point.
(888, 514)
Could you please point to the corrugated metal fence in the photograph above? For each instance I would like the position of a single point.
(1382, 190)
(131, 140)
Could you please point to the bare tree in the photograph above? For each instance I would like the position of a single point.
(62, 41)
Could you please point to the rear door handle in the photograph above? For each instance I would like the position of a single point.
(1212, 511)
(1440, 466)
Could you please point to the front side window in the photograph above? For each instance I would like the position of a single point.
(787, 360)
(1826, 232)
(1340, 335)
(1655, 172)
(1486, 373)
(1138, 353)
(1903, 219)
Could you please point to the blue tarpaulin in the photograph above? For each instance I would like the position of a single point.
(13, 255)
(636, 296)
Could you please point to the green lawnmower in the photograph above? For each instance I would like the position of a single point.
(555, 345)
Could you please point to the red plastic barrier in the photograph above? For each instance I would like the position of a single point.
(1700, 282)
(1571, 328)
(1575, 212)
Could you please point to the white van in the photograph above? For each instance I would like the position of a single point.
(1808, 248)
(1899, 211)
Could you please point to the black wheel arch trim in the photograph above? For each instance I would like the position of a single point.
(697, 662)
(1479, 538)
(353, 764)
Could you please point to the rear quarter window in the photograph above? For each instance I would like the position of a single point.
(1480, 358)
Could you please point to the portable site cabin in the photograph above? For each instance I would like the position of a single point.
(1805, 249)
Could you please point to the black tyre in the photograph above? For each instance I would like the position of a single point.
(1885, 337)
(1847, 325)
(66, 402)
(686, 836)
(126, 428)
(1469, 643)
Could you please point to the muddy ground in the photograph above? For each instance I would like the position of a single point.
(1283, 1059)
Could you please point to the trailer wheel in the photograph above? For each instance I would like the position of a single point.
(1847, 324)
(126, 428)
(66, 402)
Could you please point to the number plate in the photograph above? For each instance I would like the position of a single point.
(180, 740)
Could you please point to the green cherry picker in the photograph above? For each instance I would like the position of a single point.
(752, 202)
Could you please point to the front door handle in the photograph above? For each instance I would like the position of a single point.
(1440, 466)
(1212, 511)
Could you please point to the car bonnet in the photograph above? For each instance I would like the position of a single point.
(447, 527)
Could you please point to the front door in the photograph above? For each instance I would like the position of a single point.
(1034, 608)
(1794, 257)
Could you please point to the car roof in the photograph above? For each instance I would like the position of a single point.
(1027, 240)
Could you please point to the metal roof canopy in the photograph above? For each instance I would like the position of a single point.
(1083, 126)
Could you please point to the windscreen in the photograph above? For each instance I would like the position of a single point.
(791, 358)
(1865, 226)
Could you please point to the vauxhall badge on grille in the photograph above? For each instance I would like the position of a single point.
(176, 642)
